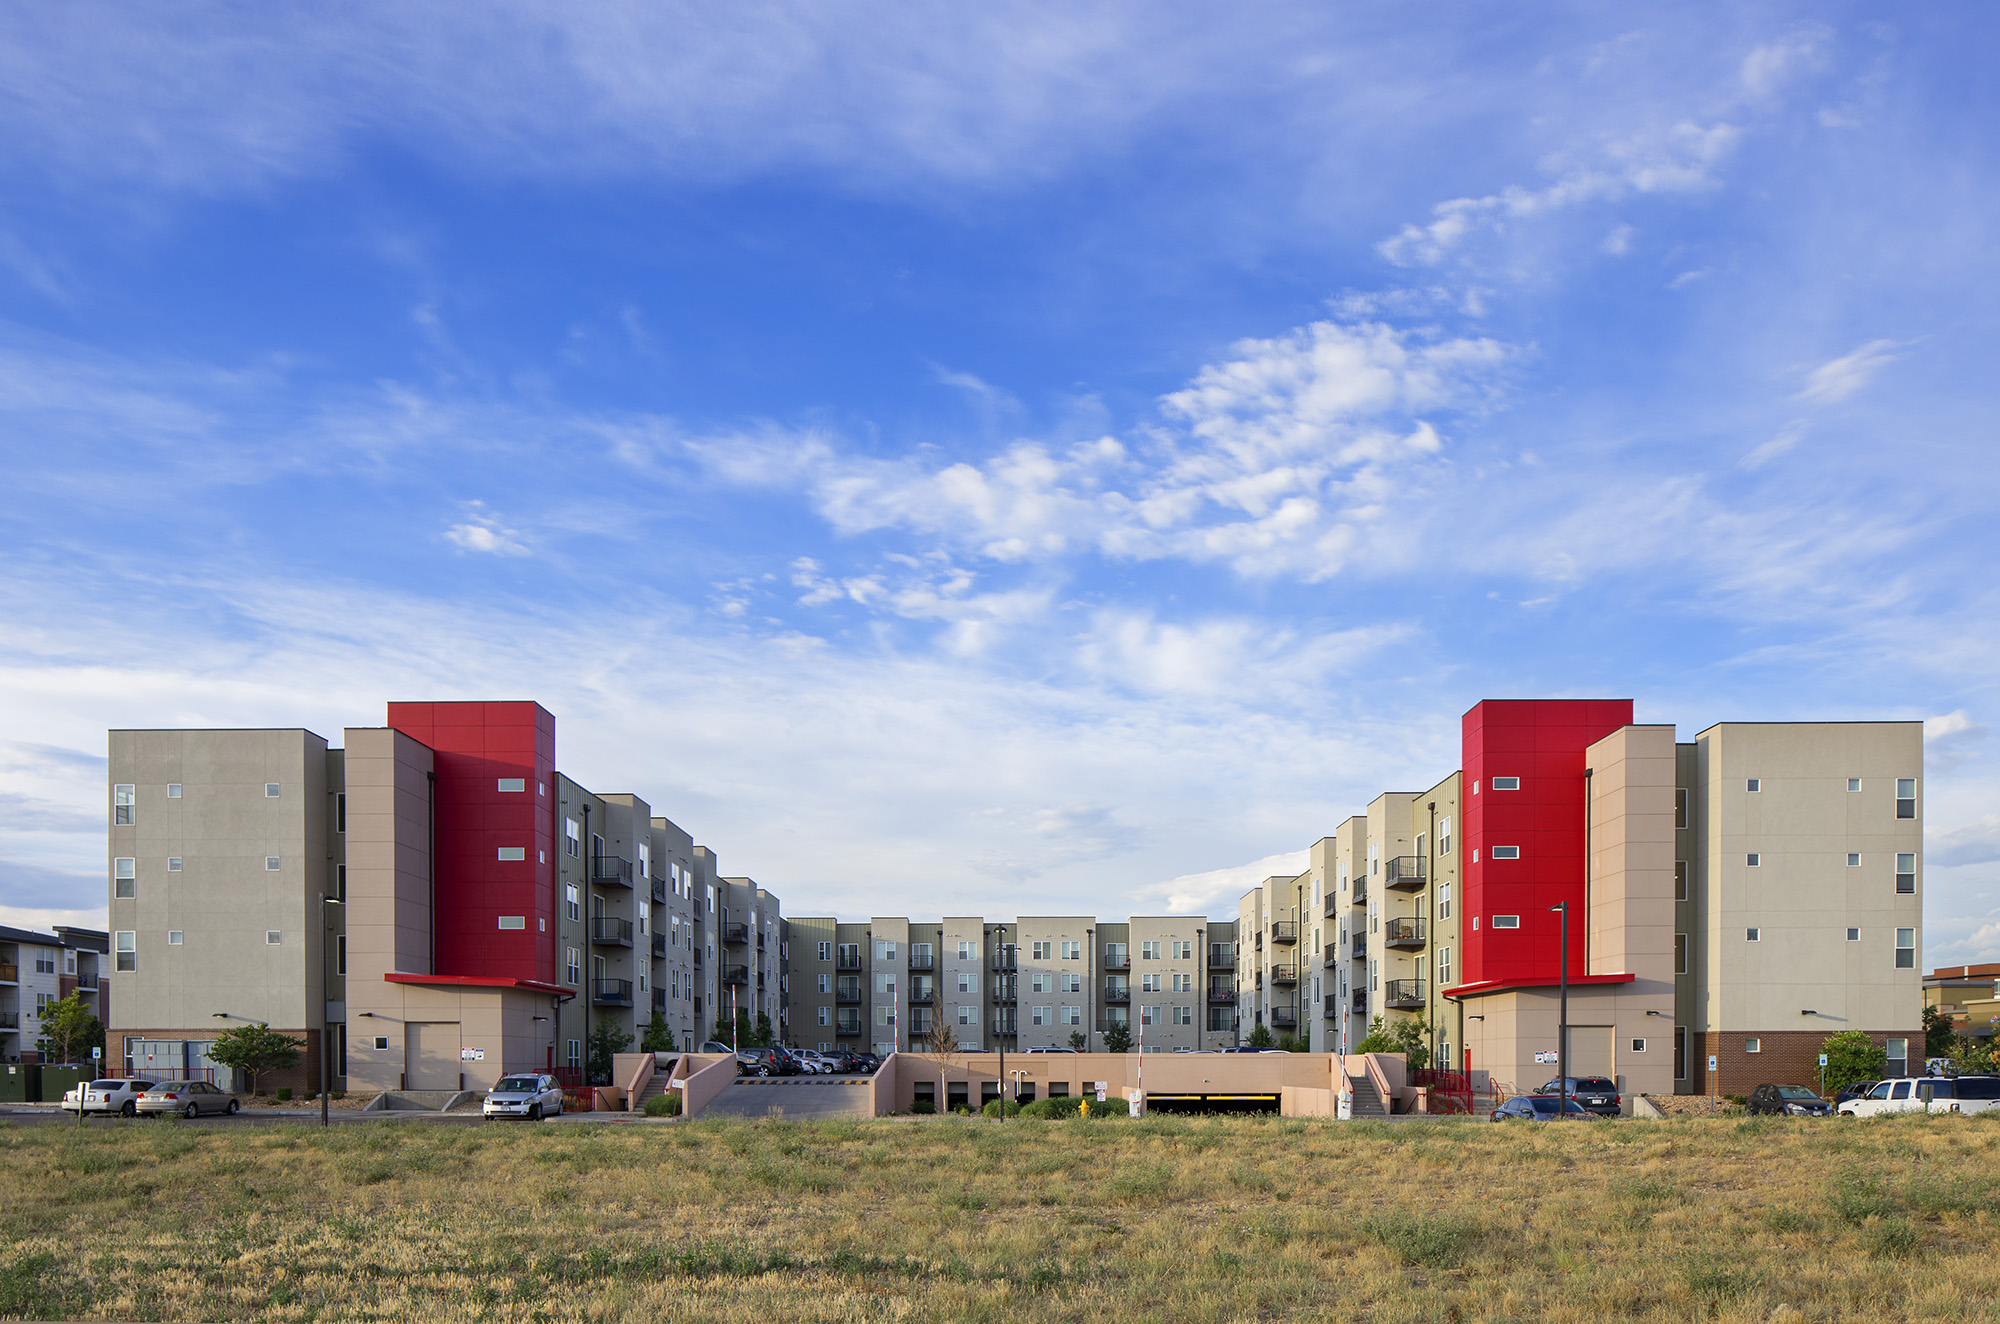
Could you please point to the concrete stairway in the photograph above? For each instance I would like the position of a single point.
(1367, 1099)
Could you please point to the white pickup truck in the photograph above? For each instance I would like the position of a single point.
(1932, 1094)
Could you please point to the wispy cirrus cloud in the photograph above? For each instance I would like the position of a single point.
(1837, 379)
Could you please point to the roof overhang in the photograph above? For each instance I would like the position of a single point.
(477, 981)
(1487, 986)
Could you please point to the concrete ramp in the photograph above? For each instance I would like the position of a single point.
(801, 1098)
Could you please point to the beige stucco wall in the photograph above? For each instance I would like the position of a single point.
(1506, 1030)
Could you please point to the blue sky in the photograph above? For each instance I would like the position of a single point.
(1074, 454)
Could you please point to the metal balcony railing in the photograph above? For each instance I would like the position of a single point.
(10, 1020)
(736, 974)
(1284, 1017)
(610, 871)
(659, 999)
(611, 992)
(1221, 960)
(919, 962)
(847, 961)
(1005, 991)
(1118, 994)
(659, 944)
(1333, 955)
(1333, 1006)
(1333, 905)
(1284, 975)
(1360, 946)
(611, 932)
(9, 973)
(1404, 873)
(1405, 993)
(847, 1029)
(1404, 933)
(1117, 962)
(847, 992)
(736, 934)
(659, 889)
(1221, 993)
(1360, 1002)
(1360, 892)
(1002, 964)
(1285, 931)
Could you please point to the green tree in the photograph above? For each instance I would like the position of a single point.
(659, 1038)
(1118, 1037)
(1377, 1039)
(1078, 1040)
(1259, 1038)
(69, 1031)
(764, 1036)
(1851, 1056)
(1405, 1037)
(604, 1041)
(741, 1035)
(255, 1049)
(1939, 1031)
(1975, 1057)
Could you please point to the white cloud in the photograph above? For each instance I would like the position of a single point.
(1837, 379)
(481, 532)
(1787, 437)
(1216, 891)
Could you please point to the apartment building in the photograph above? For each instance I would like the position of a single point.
(1718, 905)
(38, 969)
(1970, 995)
(432, 901)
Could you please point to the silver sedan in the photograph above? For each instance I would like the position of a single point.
(189, 1098)
(532, 1097)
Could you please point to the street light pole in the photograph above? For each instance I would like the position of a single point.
(325, 1049)
(1562, 1016)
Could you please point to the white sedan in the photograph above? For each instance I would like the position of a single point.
(106, 1097)
(532, 1097)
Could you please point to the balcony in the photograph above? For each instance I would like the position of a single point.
(611, 932)
(1118, 994)
(659, 999)
(1404, 873)
(736, 934)
(1360, 946)
(10, 1020)
(1003, 964)
(9, 973)
(923, 993)
(736, 974)
(848, 1029)
(697, 957)
(1360, 892)
(659, 886)
(611, 992)
(659, 944)
(847, 993)
(1284, 1018)
(1117, 962)
(760, 941)
(919, 962)
(610, 871)
(1221, 960)
(1005, 992)
(1333, 1006)
(1221, 993)
(1333, 905)
(1284, 931)
(1405, 934)
(847, 961)
(1333, 956)
(1260, 940)
(1405, 993)
(1005, 1024)
(1284, 976)
(1360, 1002)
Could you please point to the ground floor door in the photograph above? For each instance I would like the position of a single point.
(430, 1055)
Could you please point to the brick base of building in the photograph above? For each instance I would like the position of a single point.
(1783, 1057)
(302, 1079)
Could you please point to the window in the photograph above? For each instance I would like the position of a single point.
(1854, 859)
(513, 921)
(1475, 854)
(1506, 921)
(1069, 982)
(124, 878)
(1680, 807)
(1506, 783)
(968, 1015)
(1444, 966)
(1444, 900)
(340, 813)
(1149, 951)
(382, 1042)
(1906, 797)
(174, 939)
(513, 853)
(270, 790)
(1183, 951)
(1040, 983)
(1906, 871)
(512, 785)
(1506, 852)
(1218, 1019)
(273, 937)
(1753, 1045)
(1072, 951)
(1680, 880)
(1072, 1016)
(1149, 1015)
(1040, 1015)
(1680, 953)
(1183, 1016)
(575, 1054)
(340, 883)
(572, 901)
(825, 1013)
(1183, 983)
(1680, 1052)
(573, 837)
(826, 983)
(1853, 935)
(45, 961)
(1040, 950)
(968, 982)
(340, 954)
(572, 965)
(968, 951)
(1753, 785)
(825, 954)
(1853, 783)
(1638, 1045)
(1906, 949)
(1898, 1053)
(1752, 859)
(1149, 983)
(885, 983)
(173, 790)
(272, 864)
(122, 806)
(1750, 935)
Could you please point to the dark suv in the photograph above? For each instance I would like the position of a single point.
(1782, 1100)
(1597, 1094)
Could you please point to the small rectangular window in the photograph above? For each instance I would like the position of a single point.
(1854, 935)
(1753, 1045)
(1680, 807)
(1750, 935)
(1506, 783)
(1906, 949)
(1754, 785)
(1906, 797)
(273, 937)
(273, 863)
(122, 806)
(513, 852)
(173, 864)
(513, 785)
(1638, 1045)
(513, 921)
(1680, 880)
(340, 954)
(270, 790)
(1506, 921)
(1751, 859)
(1680, 953)
(1853, 783)
(173, 790)
(340, 883)
(1906, 871)
(173, 937)
(1506, 852)
(340, 813)
(381, 1042)
(124, 878)
(1854, 859)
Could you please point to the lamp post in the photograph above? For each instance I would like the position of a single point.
(325, 1049)
(1562, 1015)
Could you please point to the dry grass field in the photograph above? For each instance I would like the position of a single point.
(946, 1219)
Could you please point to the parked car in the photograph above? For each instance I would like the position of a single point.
(793, 1063)
(1855, 1091)
(849, 1063)
(1539, 1108)
(1598, 1094)
(714, 1046)
(532, 1097)
(106, 1097)
(189, 1098)
(1783, 1100)
(1043, 1048)
(1911, 1094)
(826, 1064)
(1976, 1094)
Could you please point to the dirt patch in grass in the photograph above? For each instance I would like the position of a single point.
(1200, 1220)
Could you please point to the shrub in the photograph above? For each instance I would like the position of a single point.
(1851, 1056)
(992, 1109)
(1433, 1239)
(663, 1105)
(284, 1093)
(924, 1107)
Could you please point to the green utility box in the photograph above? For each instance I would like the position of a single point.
(20, 1082)
(60, 1080)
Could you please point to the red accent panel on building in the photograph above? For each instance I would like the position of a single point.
(477, 745)
(1541, 741)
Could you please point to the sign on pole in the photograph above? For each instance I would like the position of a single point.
(1822, 1059)
(1711, 1061)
